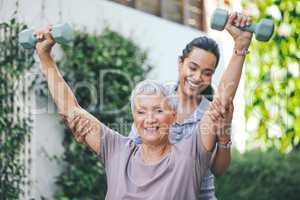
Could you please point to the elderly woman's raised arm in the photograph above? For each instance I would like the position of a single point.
(62, 95)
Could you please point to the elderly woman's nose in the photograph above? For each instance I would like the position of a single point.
(150, 118)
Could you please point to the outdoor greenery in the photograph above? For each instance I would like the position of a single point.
(272, 95)
(261, 176)
(15, 126)
(272, 90)
(101, 70)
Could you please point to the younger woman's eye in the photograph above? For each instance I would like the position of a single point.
(207, 73)
(193, 68)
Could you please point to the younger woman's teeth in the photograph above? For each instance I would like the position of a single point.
(192, 84)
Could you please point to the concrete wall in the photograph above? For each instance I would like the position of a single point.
(164, 41)
(46, 145)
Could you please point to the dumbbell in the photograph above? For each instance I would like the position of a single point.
(62, 33)
(263, 30)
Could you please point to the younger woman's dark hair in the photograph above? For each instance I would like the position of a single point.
(207, 44)
(204, 43)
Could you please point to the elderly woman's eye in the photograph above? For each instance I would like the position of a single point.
(159, 111)
(140, 112)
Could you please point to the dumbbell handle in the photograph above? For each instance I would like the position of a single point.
(33, 36)
(250, 28)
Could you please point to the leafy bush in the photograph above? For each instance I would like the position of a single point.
(15, 122)
(261, 176)
(93, 58)
(272, 87)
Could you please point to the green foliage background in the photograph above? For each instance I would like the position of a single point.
(272, 91)
(121, 63)
(261, 176)
(272, 100)
(272, 95)
(14, 129)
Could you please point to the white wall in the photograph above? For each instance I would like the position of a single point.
(163, 39)
(46, 144)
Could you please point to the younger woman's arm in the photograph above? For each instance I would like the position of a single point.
(230, 78)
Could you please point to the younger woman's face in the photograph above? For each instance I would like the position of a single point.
(195, 72)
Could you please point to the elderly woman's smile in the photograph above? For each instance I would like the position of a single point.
(152, 117)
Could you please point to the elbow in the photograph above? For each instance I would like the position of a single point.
(218, 173)
(220, 170)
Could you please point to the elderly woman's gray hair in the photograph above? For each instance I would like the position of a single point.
(151, 87)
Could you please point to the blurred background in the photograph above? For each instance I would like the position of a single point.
(119, 43)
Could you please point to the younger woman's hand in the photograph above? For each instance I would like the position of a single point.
(81, 128)
(241, 38)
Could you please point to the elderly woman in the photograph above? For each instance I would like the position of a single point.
(155, 169)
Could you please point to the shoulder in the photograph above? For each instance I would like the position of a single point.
(203, 106)
(115, 138)
(114, 145)
(187, 144)
(191, 143)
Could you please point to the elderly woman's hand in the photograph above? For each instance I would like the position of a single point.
(45, 41)
(221, 119)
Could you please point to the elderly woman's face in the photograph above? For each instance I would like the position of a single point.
(152, 118)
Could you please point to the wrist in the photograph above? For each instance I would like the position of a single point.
(224, 145)
(44, 54)
(224, 141)
(239, 44)
(45, 57)
(242, 52)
